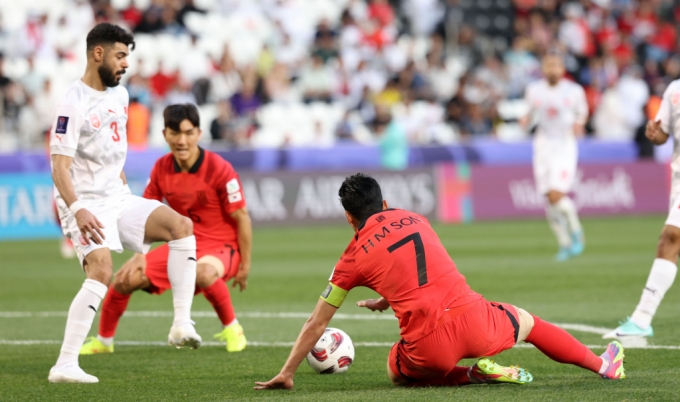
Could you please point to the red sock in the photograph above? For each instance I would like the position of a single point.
(113, 308)
(560, 346)
(456, 377)
(218, 295)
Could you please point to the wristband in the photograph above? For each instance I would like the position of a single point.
(75, 207)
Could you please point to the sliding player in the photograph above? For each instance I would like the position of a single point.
(397, 254)
(88, 146)
(561, 109)
(203, 186)
(664, 268)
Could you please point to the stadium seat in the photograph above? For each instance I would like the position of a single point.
(512, 109)
(121, 4)
(208, 113)
(511, 132)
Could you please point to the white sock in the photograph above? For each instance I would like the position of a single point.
(568, 209)
(558, 224)
(605, 366)
(182, 275)
(79, 321)
(660, 279)
(232, 323)
(105, 341)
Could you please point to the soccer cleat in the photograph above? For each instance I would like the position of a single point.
(614, 356)
(94, 346)
(628, 328)
(563, 255)
(70, 373)
(184, 335)
(577, 244)
(234, 337)
(486, 371)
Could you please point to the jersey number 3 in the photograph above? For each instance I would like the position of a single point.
(420, 254)
(115, 136)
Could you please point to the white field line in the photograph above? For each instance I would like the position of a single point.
(289, 344)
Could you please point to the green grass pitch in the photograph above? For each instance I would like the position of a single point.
(505, 261)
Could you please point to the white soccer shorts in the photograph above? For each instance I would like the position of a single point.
(124, 218)
(555, 171)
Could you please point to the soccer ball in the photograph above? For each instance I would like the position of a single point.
(333, 352)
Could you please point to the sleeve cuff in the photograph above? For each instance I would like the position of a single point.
(62, 150)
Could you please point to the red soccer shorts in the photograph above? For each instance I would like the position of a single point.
(157, 265)
(484, 329)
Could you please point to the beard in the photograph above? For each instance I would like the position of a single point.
(108, 76)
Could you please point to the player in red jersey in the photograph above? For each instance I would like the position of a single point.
(397, 254)
(203, 186)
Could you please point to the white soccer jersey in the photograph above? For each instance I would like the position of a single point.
(556, 109)
(89, 125)
(669, 115)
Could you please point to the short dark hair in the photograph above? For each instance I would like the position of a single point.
(108, 34)
(173, 115)
(361, 196)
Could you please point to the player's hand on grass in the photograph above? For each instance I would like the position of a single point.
(241, 278)
(90, 227)
(278, 382)
(373, 304)
(654, 132)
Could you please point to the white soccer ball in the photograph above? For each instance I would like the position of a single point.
(333, 352)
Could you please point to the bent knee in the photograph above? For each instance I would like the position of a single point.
(184, 227)
(396, 379)
(206, 275)
(669, 242)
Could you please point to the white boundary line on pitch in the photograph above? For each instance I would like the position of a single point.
(259, 314)
(289, 344)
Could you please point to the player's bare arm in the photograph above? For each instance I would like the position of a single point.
(654, 133)
(89, 225)
(579, 130)
(245, 241)
(122, 177)
(375, 304)
(310, 334)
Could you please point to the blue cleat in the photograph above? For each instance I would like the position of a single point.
(563, 255)
(628, 329)
(577, 244)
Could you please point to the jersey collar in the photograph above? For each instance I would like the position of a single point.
(363, 223)
(195, 167)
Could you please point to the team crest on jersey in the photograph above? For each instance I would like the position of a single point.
(202, 198)
(676, 98)
(95, 121)
(62, 123)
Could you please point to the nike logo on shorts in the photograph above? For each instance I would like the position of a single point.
(191, 259)
(92, 307)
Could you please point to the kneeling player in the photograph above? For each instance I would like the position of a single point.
(397, 254)
(203, 186)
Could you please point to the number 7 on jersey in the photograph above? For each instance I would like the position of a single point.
(420, 254)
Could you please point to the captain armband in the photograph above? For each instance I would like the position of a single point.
(334, 295)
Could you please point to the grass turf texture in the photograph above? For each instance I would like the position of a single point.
(508, 261)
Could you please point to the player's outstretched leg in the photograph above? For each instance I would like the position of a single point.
(84, 307)
(661, 278)
(559, 345)
(215, 289)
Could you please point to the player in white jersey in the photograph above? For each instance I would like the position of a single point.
(560, 110)
(664, 267)
(88, 146)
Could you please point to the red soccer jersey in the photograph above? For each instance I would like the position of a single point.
(208, 194)
(398, 254)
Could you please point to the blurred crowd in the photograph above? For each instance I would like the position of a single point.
(369, 71)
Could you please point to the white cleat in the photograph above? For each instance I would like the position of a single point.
(184, 335)
(71, 373)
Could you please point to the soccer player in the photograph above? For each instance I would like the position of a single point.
(88, 146)
(397, 254)
(664, 268)
(561, 111)
(203, 186)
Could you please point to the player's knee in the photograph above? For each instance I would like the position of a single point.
(206, 275)
(184, 227)
(669, 242)
(396, 379)
(554, 197)
(99, 267)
